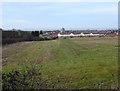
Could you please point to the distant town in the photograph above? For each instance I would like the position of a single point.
(14, 35)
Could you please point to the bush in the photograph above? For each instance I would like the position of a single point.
(30, 79)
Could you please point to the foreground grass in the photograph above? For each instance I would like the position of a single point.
(67, 63)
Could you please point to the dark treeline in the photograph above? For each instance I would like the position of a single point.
(12, 36)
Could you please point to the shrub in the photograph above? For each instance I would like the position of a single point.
(30, 79)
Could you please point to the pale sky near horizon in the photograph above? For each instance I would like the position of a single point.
(54, 15)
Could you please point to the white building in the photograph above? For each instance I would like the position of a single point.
(79, 35)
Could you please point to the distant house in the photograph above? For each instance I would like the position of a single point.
(55, 35)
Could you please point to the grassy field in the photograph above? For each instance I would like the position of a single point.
(67, 63)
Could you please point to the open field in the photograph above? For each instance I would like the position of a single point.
(67, 63)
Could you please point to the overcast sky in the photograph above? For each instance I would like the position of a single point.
(41, 15)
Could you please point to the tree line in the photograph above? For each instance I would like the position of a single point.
(11, 36)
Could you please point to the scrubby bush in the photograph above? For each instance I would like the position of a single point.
(30, 79)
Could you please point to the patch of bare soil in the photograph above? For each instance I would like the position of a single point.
(28, 42)
(54, 40)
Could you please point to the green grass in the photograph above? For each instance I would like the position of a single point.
(68, 63)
